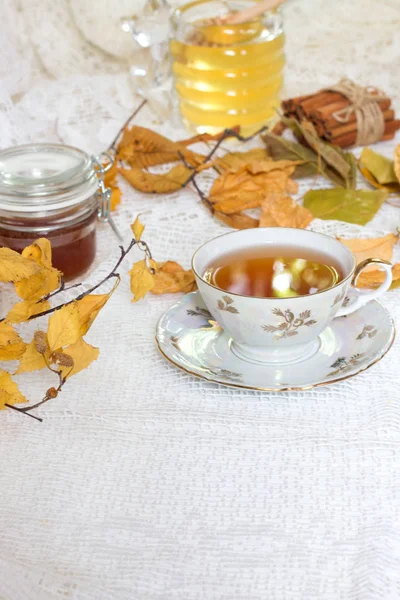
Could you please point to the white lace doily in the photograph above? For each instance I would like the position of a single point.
(142, 482)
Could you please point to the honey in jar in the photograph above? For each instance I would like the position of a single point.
(50, 190)
(226, 75)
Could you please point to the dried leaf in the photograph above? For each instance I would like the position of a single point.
(156, 183)
(208, 137)
(14, 267)
(381, 247)
(82, 355)
(142, 280)
(328, 152)
(35, 287)
(9, 392)
(89, 307)
(396, 162)
(22, 311)
(234, 160)
(12, 346)
(115, 197)
(137, 229)
(32, 360)
(242, 190)
(375, 277)
(352, 206)
(237, 220)
(282, 211)
(144, 148)
(40, 252)
(171, 278)
(110, 176)
(391, 188)
(380, 167)
(64, 327)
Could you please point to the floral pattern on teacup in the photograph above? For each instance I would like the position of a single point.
(290, 324)
(226, 303)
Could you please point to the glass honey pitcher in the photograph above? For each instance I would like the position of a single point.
(223, 75)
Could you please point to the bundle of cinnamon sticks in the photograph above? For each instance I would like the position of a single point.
(321, 109)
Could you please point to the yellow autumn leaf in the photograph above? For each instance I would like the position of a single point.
(40, 252)
(237, 220)
(137, 229)
(12, 346)
(35, 287)
(282, 211)
(9, 392)
(14, 267)
(83, 354)
(142, 280)
(372, 277)
(64, 327)
(381, 247)
(89, 307)
(115, 197)
(32, 360)
(171, 278)
(396, 162)
(156, 183)
(22, 311)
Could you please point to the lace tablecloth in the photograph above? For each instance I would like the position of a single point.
(143, 483)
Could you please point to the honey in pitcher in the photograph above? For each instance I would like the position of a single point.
(226, 75)
(276, 273)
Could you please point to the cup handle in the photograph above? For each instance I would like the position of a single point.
(365, 296)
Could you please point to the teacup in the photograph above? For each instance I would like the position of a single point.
(282, 330)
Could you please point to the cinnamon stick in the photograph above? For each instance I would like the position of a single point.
(309, 106)
(349, 139)
(290, 104)
(327, 111)
(331, 123)
(390, 127)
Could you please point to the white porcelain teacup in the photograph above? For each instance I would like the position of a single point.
(282, 330)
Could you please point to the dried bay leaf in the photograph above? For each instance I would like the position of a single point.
(380, 167)
(12, 346)
(329, 153)
(283, 211)
(381, 247)
(352, 206)
(171, 278)
(155, 183)
(283, 149)
(9, 392)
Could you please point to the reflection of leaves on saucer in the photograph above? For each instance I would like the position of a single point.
(346, 301)
(338, 298)
(199, 312)
(342, 364)
(226, 304)
(289, 326)
(368, 331)
(175, 342)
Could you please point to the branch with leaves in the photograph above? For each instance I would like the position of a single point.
(60, 346)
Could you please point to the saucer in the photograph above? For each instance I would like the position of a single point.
(189, 337)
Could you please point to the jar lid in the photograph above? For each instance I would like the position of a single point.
(45, 177)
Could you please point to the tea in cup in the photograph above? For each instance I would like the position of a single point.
(275, 289)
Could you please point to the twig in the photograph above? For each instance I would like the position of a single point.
(129, 119)
(22, 411)
(110, 275)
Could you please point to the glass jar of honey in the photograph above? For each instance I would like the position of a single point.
(52, 191)
(225, 74)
